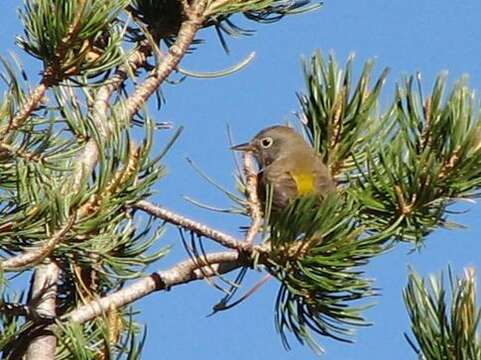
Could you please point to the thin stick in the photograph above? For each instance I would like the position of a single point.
(253, 203)
(35, 256)
(197, 227)
(182, 273)
(31, 104)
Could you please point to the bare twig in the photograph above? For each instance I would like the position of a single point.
(197, 227)
(35, 256)
(184, 272)
(44, 290)
(253, 203)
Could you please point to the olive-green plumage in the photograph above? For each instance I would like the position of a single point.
(288, 165)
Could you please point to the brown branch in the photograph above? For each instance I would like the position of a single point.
(197, 227)
(32, 103)
(33, 100)
(100, 106)
(253, 202)
(33, 257)
(188, 29)
(89, 157)
(49, 75)
(7, 150)
(44, 293)
(182, 273)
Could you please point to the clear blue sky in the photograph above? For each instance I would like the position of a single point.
(407, 36)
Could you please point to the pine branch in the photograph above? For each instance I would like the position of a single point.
(186, 271)
(317, 253)
(133, 104)
(101, 102)
(53, 72)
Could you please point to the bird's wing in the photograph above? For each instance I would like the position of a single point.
(284, 187)
(323, 182)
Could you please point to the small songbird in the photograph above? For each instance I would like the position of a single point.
(288, 165)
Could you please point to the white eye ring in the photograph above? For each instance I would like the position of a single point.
(267, 142)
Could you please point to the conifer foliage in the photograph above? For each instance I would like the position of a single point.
(76, 182)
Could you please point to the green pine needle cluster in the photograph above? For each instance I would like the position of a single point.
(445, 320)
(404, 165)
(340, 114)
(73, 37)
(316, 254)
(120, 336)
(398, 171)
(430, 160)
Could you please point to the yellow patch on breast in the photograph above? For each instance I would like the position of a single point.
(304, 183)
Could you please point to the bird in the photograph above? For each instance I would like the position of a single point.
(288, 166)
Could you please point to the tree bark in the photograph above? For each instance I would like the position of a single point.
(43, 292)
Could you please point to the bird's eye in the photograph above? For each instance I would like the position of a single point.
(266, 142)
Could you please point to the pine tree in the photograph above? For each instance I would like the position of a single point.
(77, 179)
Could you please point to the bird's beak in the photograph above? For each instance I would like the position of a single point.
(243, 147)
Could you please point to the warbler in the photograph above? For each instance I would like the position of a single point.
(288, 166)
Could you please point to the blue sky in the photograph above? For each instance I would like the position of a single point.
(407, 36)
